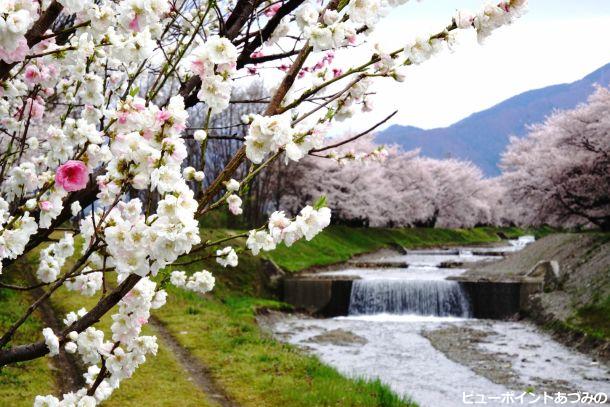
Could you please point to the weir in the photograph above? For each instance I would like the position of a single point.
(330, 298)
(421, 286)
(439, 298)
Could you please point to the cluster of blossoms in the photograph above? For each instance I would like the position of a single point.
(269, 134)
(16, 18)
(227, 257)
(377, 155)
(87, 283)
(145, 152)
(308, 223)
(233, 201)
(200, 282)
(14, 234)
(329, 32)
(347, 106)
(491, 17)
(53, 257)
(214, 62)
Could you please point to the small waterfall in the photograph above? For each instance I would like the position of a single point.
(522, 241)
(423, 297)
(465, 253)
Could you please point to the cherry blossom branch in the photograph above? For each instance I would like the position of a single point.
(35, 350)
(35, 33)
(13, 328)
(33, 287)
(266, 32)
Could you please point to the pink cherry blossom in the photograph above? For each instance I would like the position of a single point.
(34, 109)
(272, 10)
(32, 75)
(123, 117)
(319, 65)
(198, 67)
(134, 24)
(16, 55)
(163, 115)
(46, 206)
(72, 175)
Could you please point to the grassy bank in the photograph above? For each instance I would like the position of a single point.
(594, 319)
(19, 383)
(254, 369)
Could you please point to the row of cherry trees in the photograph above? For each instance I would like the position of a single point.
(394, 188)
(559, 175)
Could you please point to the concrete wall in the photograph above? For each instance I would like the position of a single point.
(325, 297)
(493, 300)
(499, 300)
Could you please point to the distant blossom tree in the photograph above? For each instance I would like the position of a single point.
(97, 100)
(559, 174)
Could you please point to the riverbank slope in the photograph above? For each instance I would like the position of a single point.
(577, 309)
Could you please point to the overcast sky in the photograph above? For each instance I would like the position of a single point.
(557, 41)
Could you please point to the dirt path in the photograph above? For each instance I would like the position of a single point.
(198, 373)
(69, 371)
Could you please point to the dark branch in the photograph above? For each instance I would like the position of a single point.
(357, 136)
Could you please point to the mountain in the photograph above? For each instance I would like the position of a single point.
(482, 136)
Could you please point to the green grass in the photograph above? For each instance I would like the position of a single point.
(20, 383)
(255, 369)
(593, 320)
(339, 243)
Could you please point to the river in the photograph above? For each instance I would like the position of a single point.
(412, 329)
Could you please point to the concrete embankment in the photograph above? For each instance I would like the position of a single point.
(574, 272)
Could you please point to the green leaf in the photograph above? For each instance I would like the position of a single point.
(320, 203)
(134, 91)
(342, 4)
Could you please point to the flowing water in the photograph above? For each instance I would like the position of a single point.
(434, 297)
(410, 328)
